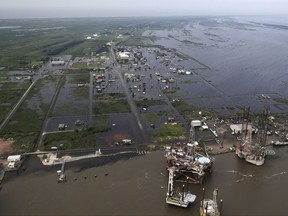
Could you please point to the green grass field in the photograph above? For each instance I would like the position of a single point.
(35, 40)
(169, 132)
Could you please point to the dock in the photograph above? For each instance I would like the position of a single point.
(61, 173)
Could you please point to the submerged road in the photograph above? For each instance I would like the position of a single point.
(176, 113)
(50, 110)
(90, 109)
(131, 103)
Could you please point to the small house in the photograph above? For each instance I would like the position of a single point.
(13, 161)
(196, 123)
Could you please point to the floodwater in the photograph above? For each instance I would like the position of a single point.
(246, 58)
(137, 185)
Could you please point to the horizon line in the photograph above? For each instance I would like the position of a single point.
(142, 16)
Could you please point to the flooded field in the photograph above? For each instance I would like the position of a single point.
(214, 64)
(246, 59)
(218, 65)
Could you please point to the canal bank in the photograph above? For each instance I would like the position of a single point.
(137, 185)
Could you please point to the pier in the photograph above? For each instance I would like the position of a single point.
(61, 173)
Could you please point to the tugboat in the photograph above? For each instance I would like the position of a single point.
(279, 143)
(175, 197)
(283, 140)
(209, 207)
(253, 152)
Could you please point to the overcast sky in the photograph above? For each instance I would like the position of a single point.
(115, 8)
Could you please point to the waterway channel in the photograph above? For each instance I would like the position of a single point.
(137, 185)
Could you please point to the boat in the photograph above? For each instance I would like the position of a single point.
(254, 154)
(209, 207)
(175, 197)
(253, 151)
(282, 141)
(279, 143)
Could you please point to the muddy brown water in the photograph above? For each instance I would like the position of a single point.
(137, 185)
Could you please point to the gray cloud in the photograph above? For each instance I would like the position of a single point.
(96, 8)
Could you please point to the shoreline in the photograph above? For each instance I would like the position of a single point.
(126, 184)
(53, 159)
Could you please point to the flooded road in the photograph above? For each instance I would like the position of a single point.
(242, 61)
(137, 186)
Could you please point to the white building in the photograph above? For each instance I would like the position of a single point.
(57, 63)
(13, 161)
(237, 128)
(196, 123)
(124, 55)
